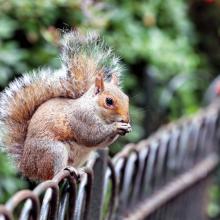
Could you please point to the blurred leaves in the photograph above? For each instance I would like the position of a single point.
(9, 183)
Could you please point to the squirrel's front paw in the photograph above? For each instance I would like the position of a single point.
(123, 128)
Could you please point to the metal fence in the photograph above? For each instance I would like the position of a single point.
(163, 177)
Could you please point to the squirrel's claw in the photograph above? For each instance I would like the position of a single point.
(123, 128)
(73, 172)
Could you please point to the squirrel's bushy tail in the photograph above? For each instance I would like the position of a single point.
(19, 101)
(83, 57)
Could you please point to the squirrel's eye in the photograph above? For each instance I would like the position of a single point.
(109, 101)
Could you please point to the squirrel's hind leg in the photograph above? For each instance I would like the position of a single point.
(43, 159)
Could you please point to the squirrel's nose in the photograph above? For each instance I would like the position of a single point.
(126, 119)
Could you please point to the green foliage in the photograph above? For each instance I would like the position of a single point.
(160, 35)
(9, 183)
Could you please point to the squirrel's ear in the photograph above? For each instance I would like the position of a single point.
(114, 80)
(99, 84)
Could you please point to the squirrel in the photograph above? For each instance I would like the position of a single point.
(52, 119)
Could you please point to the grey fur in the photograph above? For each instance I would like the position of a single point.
(91, 45)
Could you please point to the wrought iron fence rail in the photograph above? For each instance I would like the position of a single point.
(183, 182)
(163, 177)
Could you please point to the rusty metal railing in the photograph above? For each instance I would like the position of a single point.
(163, 177)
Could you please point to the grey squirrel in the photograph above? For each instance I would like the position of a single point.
(53, 119)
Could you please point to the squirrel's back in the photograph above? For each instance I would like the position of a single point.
(83, 57)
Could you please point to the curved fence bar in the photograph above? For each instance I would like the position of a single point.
(171, 172)
(164, 177)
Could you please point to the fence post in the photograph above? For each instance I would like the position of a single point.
(99, 168)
